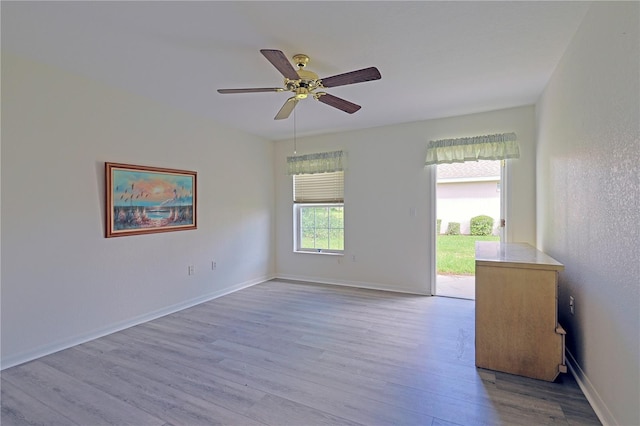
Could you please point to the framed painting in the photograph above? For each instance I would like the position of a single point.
(145, 200)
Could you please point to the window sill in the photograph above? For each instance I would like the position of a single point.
(326, 253)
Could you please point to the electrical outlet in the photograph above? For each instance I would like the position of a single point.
(572, 305)
(214, 265)
(353, 257)
(190, 270)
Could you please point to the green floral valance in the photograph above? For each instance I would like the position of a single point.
(491, 147)
(321, 162)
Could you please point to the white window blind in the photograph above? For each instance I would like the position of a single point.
(319, 188)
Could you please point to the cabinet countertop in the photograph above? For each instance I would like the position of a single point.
(509, 255)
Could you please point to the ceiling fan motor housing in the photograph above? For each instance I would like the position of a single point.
(307, 82)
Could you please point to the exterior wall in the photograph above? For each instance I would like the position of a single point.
(460, 201)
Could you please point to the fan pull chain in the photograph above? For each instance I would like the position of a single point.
(295, 150)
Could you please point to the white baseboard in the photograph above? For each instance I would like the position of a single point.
(60, 345)
(357, 284)
(598, 405)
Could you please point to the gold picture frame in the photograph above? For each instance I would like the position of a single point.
(146, 200)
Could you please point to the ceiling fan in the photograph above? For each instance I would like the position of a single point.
(304, 83)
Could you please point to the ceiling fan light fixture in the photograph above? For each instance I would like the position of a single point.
(290, 85)
(302, 93)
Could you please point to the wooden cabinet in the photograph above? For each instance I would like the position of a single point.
(517, 328)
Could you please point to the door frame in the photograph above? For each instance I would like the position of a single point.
(431, 237)
(433, 200)
(504, 192)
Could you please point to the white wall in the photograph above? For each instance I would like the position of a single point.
(588, 160)
(385, 183)
(62, 281)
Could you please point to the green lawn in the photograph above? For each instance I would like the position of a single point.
(456, 253)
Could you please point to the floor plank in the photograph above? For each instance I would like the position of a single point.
(284, 353)
(19, 407)
(79, 401)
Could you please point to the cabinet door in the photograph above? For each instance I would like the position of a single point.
(516, 321)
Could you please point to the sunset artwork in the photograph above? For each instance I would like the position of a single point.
(144, 199)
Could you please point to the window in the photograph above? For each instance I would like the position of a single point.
(319, 212)
(320, 228)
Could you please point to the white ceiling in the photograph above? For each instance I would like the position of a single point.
(437, 59)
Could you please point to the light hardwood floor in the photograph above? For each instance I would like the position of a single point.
(283, 353)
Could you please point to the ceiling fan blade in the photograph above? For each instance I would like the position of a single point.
(278, 60)
(366, 74)
(287, 108)
(336, 102)
(254, 90)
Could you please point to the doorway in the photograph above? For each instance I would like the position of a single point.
(469, 207)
